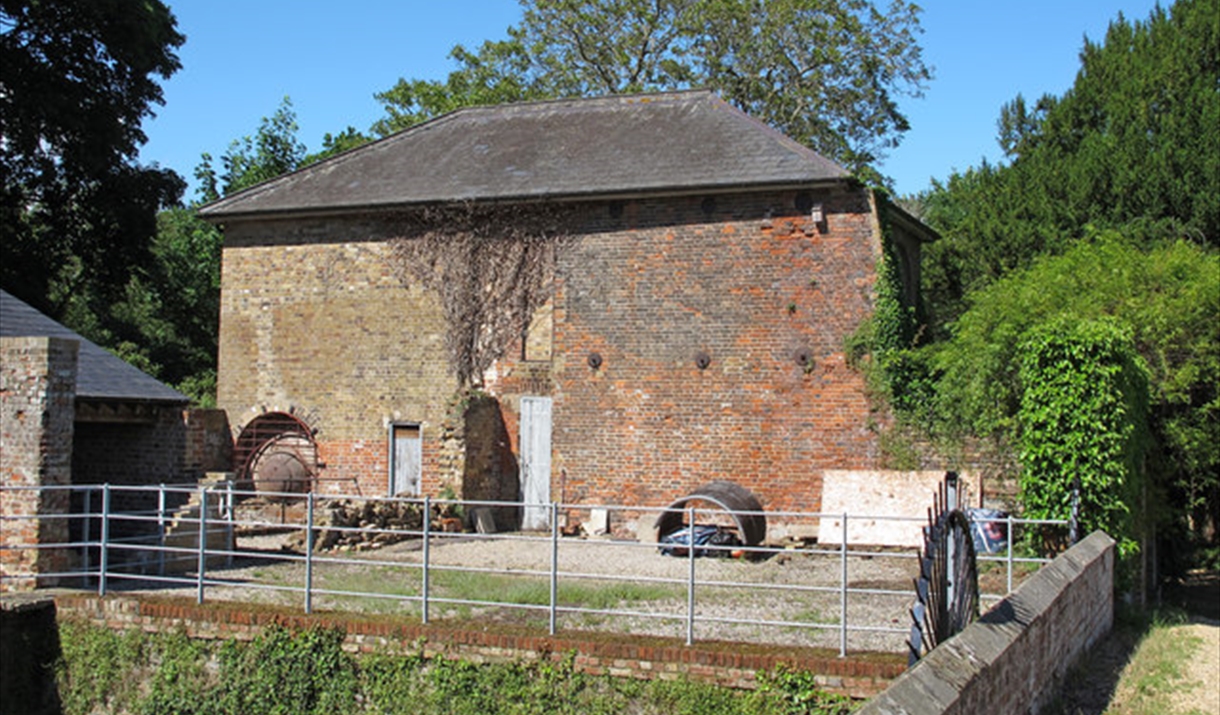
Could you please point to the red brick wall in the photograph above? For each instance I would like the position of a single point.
(314, 318)
(601, 654)
(753, 294)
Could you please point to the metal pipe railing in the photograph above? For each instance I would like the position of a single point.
(217, 514)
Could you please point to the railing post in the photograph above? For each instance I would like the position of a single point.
(230, 516)
(1009, 560)
(690, 583)
(86, 536)
(309, 552)
(554, 563)
(202, 535)
(161, 530)
(104, 557)
(427, 542)
(843, 592)
(1074, 524)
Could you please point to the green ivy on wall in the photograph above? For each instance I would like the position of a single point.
(1084, 414)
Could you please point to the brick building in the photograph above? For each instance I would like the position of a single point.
(700, 274)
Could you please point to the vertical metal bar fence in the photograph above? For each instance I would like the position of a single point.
(309, 552)
(690, 584)
(427, 527)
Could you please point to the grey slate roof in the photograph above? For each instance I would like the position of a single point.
(100, 375)
(618, 145)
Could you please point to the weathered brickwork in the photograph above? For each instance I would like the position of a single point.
(1015, 656)
(767, 301)
(334, 335)
(745, 281)
(37, 393)
(644, 657)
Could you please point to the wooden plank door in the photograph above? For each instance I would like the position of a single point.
(535, 461)
(406, 459)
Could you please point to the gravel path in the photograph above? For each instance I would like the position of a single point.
(1200, 691)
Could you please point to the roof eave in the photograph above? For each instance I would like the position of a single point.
(222, 217)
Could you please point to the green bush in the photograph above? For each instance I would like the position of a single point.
(1084, 416)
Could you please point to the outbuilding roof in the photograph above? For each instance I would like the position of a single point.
(100, 375)
(620, 145)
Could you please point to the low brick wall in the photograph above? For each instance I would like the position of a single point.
(1012, 659)
(727, 664)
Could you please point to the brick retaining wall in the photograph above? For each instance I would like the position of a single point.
(1012, 659)
(727, 664)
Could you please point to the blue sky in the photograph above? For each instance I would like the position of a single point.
(242, 57)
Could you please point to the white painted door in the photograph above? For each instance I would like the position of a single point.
(535, 461)
(406, 460)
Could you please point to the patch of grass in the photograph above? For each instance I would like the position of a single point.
(1156, 669)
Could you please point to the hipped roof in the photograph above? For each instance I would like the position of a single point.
(623, 145)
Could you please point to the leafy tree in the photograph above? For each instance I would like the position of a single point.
(273, 150)
(333, 144)
(1134, 141)
(1166, 295)
(827, 72)
(76, 210)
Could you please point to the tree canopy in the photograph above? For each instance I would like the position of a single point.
(1092, 247)
(826, 72)
(1133, 142)
(76, 81)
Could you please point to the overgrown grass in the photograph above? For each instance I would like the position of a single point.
(308, 672)
(1139, 671)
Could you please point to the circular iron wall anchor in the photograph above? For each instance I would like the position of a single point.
(803, 357)
(702, 360)
(595, 360)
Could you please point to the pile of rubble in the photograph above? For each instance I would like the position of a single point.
(354, 525)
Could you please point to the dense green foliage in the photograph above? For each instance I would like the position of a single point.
(1167, 297)
(306, 672)
(827, 73)
(76, 210)
(1084, 416)
(1133, 142)
(1107, 210)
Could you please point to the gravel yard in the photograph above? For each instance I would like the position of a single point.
(798, 588)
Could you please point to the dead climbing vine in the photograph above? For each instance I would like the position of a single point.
(492, 266)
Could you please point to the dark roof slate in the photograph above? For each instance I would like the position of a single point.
(617, 145)
(100, 375)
